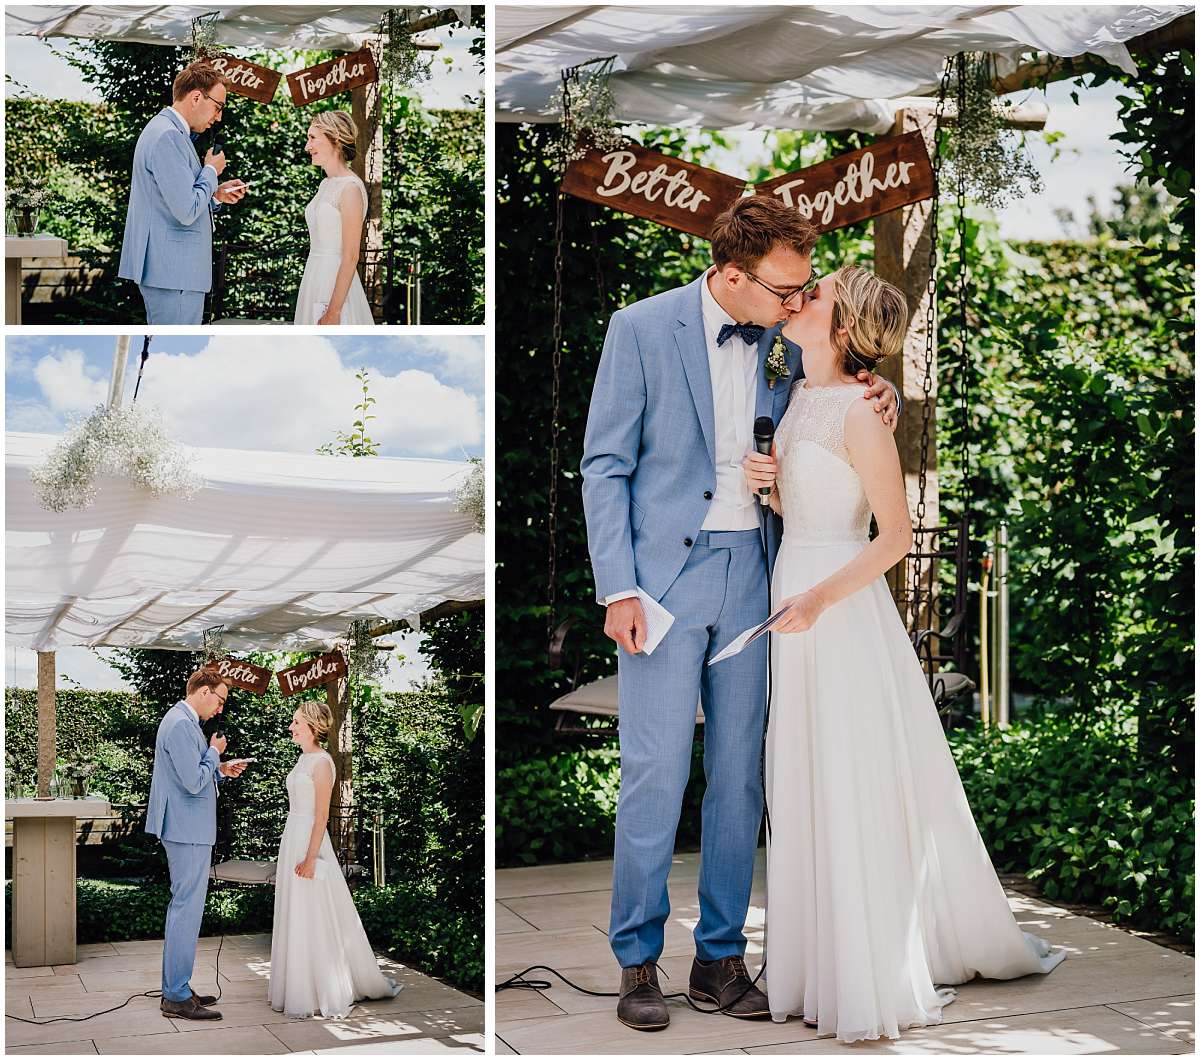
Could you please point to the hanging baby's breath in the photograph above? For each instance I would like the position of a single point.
(990, 156)
(204, 37)
(469, 497)
(132, 442)
(365, 661)
(588, 110)
(401, 63)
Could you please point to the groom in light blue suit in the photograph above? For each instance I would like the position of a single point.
(682, 378)
(167, 247)
(183, 814)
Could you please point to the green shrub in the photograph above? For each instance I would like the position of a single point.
(1064, 800)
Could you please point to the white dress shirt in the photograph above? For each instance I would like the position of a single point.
(733, 371)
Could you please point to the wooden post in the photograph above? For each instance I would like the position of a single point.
(367, 110)
(47, 752)
(902, 240)
(341, 747)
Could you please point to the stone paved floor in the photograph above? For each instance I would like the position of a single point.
(426, 1017)
(1114, 994)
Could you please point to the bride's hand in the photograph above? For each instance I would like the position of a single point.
(307, 868)
(803, 610)
(332, 316)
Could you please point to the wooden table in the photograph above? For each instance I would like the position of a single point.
(43, 901)
(16, 250)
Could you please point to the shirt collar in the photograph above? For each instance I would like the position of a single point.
(188, 707)
(181, 119)
(710, 309)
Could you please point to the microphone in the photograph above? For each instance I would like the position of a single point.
(764, 435)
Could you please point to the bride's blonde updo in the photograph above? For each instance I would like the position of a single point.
(340, 129)
(317, 716)
(874, 315)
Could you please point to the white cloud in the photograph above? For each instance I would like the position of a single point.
(296, 396)
(31, 415)
(460, 357)
(68, 383)
(74, 667)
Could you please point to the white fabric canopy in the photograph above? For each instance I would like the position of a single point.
(808, 66)
(342, 28)
(281, 549)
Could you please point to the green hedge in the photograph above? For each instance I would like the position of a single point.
(412, 925)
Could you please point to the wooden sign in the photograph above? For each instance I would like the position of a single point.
(319, 671)
(337, 75)
(866, 183)
(241, 674)
(645, 183)
(246, 78)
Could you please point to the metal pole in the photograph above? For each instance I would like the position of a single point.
(418, 299)
(116, 385)
(985, 662)
(1002, 697)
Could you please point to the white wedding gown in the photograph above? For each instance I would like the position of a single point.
(325, 255)
(879, 888)
(321, 960)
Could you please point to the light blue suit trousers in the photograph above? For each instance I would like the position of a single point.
(188, 863)
(165, 306)
(721, 591)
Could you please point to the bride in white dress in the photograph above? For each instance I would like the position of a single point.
(331, 292)
(879, 889)
(321, 959)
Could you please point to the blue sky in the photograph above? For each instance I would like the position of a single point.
(294, 393)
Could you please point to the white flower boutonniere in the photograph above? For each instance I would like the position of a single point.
(776, 364)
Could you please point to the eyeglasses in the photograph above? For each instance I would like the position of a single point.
(788, 295)
(220, 699)
(216, 102)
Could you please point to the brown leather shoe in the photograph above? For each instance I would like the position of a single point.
(726, 983)
(641, 1005)
(203, 999)
(187, 1010)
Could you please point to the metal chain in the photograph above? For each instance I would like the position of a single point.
(964, 368)
(556, 386)
(930, 337)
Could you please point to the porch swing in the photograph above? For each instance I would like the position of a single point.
(936, 620)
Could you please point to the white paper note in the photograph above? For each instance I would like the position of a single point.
(658, 621)
(743, 640)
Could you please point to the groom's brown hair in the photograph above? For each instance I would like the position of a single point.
(198, 75)
(754, 226)
(205, 677)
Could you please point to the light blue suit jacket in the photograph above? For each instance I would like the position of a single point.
(183, 787)
(168, 226)
(649, 452)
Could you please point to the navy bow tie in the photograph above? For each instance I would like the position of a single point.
(750, 333)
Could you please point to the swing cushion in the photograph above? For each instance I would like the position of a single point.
(244, 871)
(598, 698)
(950, 684)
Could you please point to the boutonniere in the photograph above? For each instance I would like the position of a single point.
(776, 364)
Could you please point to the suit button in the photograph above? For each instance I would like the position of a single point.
(687, 542)
(708, 495)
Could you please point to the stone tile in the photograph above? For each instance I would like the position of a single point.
(1175, 1016)
(129, 982)
(503, 1049)
(217, 1041)
(370, 1028)
(19, 1006)
(423, 992)
(237, 968)
(458, 1044)
(57, 1049)
(82, 1003)
(579, 946)
(600, 1032)
(145, 1022)
(126, 962)
(1099, 980)
(564, 912)
(1078, 1031)
(524, 1004)
(1081, 936)
(11, 972)
(235, 1014)
(508, 922)
(95, 949)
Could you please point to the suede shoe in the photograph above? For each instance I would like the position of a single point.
(203, 999)
(726, 983)
(187, 1010)
(640, 1004)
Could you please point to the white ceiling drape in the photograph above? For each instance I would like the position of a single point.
(802, 66)
(281, 549)
(340, 28)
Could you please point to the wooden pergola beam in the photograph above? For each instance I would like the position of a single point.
(448, 607)
(1047, 68)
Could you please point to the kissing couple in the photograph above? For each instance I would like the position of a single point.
(321, 959)
(880, 893)
(167, 247)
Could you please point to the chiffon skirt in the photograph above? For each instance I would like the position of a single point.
(316, 288)
(880, 893)
(321, 959)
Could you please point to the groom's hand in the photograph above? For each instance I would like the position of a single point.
(219, 742)
(233, 769)
(625, 622)
(217, 160)
(230, 192)
(879, 391)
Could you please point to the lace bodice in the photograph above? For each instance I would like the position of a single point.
(324, 216)
(822, 496)
(300, 789)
